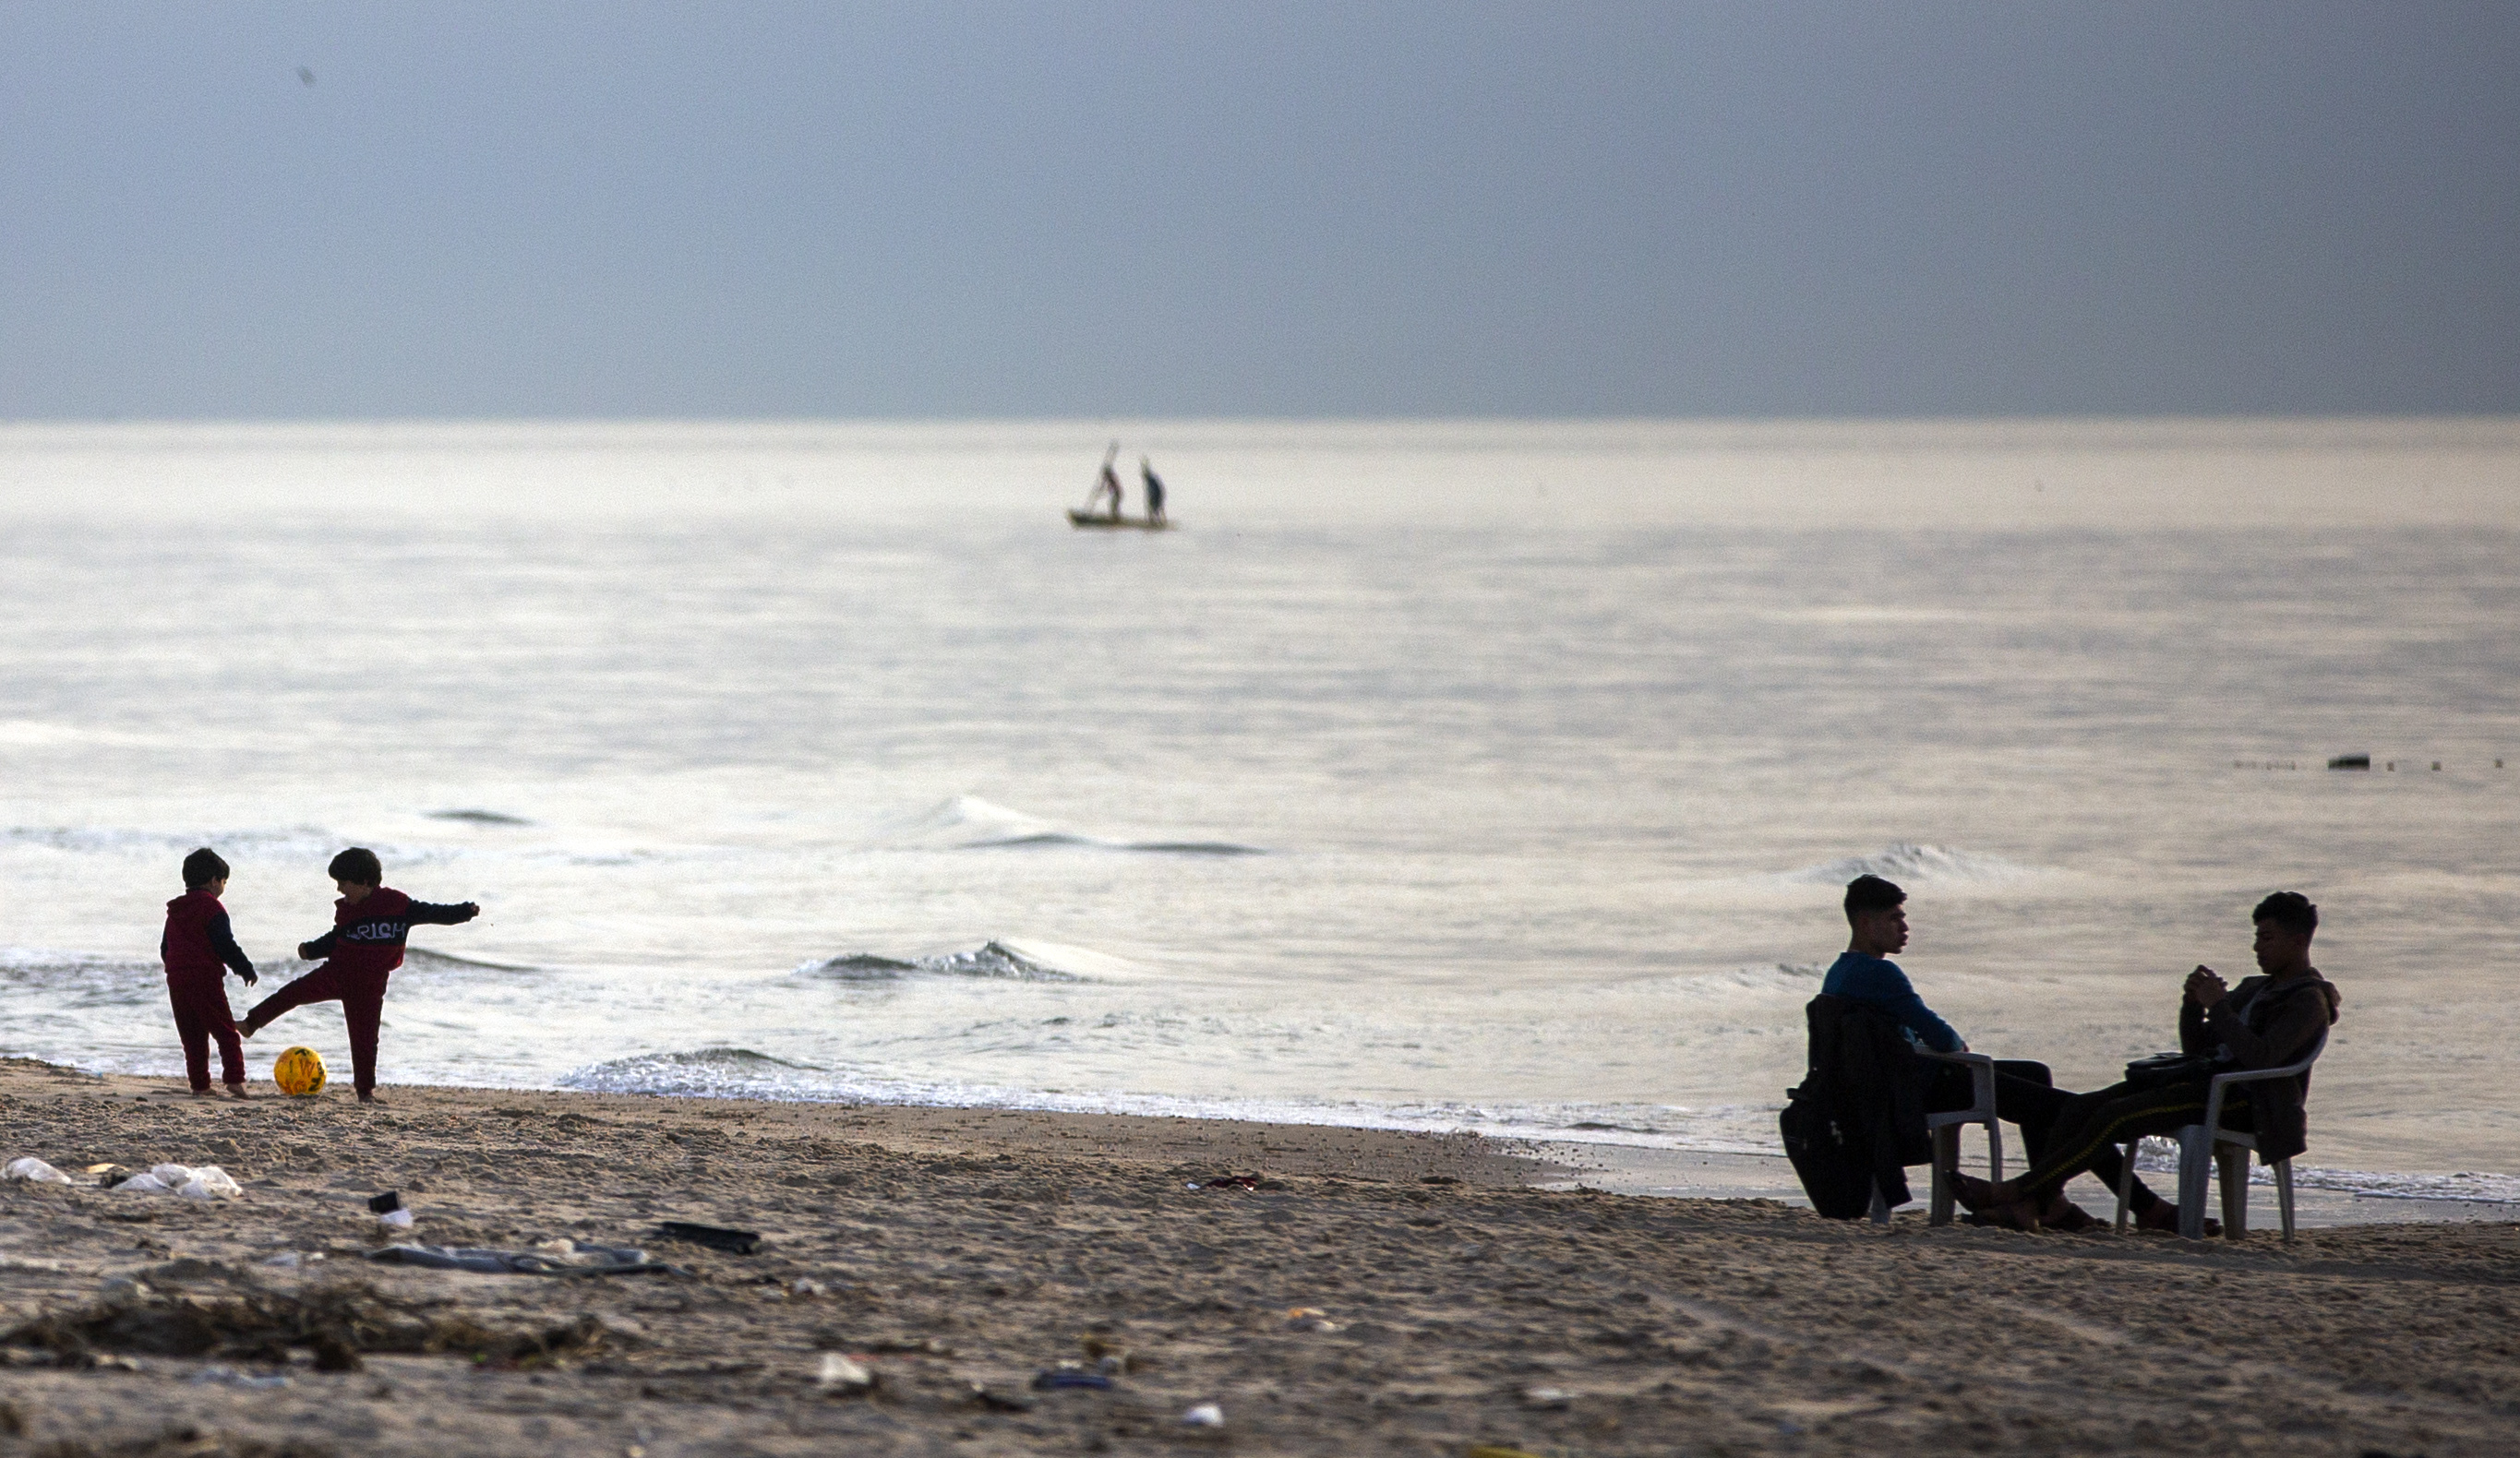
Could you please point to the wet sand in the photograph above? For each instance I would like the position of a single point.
(1687, 1173)
(954, 1255)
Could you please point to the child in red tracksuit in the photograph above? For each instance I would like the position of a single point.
(370, 923)
(198, 948)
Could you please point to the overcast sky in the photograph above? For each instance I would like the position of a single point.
(1277, 210)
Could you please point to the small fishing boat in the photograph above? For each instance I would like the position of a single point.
(1098, 521)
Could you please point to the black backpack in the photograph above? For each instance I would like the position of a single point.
(1832, 1170)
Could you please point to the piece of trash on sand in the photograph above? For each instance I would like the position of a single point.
(1309, 1319)
(210, 1182)
(1224, 1182)
(36, 1172)
(204, 1183)
(386, 1202)
(395, 1219)
(842, 1375)
(715, 1237)
(1548, 1400)
(1051, 1379)
(579, 1260)
(293, 1259)
(1204, 1415)
(997, 1401)
(231, 1377)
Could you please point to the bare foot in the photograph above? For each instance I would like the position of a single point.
(237, 1090)
(2062, 1213)
(198, 1092)
(367, 1098)
(2163, 1217)
(2009, 1200)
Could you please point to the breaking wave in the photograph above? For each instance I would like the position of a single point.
(717, 1072)
(967, 822)
(478, 816)
(71, 982)
(994, 960)
(1909, 861)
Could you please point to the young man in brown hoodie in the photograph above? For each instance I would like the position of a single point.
(2268, 1021)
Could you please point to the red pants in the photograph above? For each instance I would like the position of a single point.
(201, 1014)
(362, 995)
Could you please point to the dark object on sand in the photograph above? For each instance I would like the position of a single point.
(715, 1237)
(2349, 762)
(1061, 1378)
(602, 1261)
(1225, 1182)
(386, 1202)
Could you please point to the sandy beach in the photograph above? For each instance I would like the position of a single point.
(1375, 1293)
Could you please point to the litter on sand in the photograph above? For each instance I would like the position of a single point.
(1204, 1415)
(575, 1259)
(715, 1237)
(201, 1182)
(1224, 1182)
(231, 1377)
(34, 1171)
(1054, 1378)
(840, 1374)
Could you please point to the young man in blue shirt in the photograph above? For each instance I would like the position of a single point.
(1863, 973)
(2024, 1092)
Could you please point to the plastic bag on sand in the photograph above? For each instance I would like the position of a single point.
(209, 1183)
(205, 1182)
(36, 1170)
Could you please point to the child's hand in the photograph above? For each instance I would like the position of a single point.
(306, 951)
(249, 978)
(471, 909)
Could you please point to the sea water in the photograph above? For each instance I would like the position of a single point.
(1493, 777)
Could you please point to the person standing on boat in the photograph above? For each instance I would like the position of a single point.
(1154, 490)
(1109, 484)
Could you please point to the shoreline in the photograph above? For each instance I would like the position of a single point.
(1574, 1162)
(1373, 1291)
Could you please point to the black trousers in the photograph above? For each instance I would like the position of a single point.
(2089, 1127)
(2026, 1095)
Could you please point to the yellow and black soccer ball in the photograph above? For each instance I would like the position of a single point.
(298, 1072)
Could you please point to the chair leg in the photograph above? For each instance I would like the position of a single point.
(2283, 1194)
(2232, 1164)
(1880, 1210)
(2195, 1171)
(2126, 1182)
(1947, 1162)
(1994, 1150)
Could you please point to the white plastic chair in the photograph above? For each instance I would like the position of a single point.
(1946, 1131)
(1945, 1128)
(2206, 1149)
